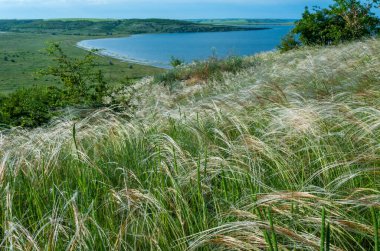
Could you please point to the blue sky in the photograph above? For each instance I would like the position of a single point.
(178, 9)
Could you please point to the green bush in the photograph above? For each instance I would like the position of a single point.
(345, 20)
(289, 42)
(82, 83)
(176, 62)
(30, 107)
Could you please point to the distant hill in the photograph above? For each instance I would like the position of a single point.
(98, 27)
(243, 21)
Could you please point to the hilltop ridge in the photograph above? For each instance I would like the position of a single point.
(101, 27)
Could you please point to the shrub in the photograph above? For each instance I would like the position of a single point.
(81, 81)
(289, 42)
(176, 62)
(345, 20)
(30, 107)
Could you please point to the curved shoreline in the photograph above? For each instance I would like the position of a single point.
(104, 53)
(159, 62)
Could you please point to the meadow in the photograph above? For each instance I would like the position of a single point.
(22, 55)
(270, 152)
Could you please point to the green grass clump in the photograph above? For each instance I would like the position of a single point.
(288, 159)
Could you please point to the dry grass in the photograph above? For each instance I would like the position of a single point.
(248, 162)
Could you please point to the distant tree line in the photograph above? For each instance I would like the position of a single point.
(111, 27)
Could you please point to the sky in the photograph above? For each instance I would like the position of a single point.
(175, 9)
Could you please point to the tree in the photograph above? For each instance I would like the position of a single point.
(81, 81)
(345, 20)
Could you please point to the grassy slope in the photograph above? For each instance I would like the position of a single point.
(27, 50)
(245, 162)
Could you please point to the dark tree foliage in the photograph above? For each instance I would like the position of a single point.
(345, 20)
(30, 107)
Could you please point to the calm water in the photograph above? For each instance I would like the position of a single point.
(157, 49)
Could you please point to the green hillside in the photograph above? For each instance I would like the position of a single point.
(270, 152)
(93, 27)
(244, 21)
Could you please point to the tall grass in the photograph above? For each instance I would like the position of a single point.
(271, 169)
(198, 72)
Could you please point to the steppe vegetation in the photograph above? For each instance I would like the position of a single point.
(276, 151)
(280, 155)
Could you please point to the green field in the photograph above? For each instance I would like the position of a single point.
(23, 54)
